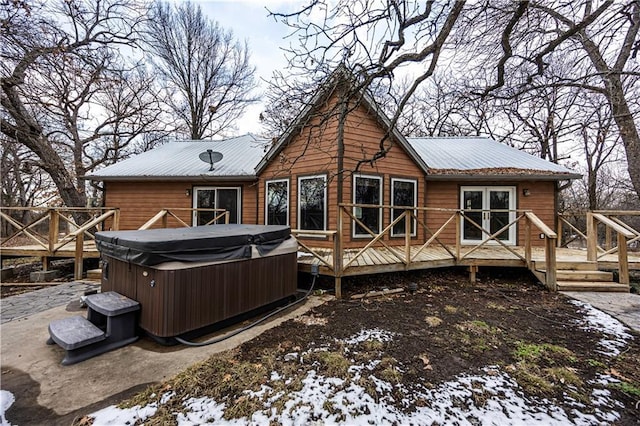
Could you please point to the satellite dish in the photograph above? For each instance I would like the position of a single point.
(211, 157)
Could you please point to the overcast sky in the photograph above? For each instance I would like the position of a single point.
(249, 21)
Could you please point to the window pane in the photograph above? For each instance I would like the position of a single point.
(312, 204)
(368, 192)
(403, 195)
(277, 203)
(205, 200)
(472, 200)
(499, 200)
(228, 199)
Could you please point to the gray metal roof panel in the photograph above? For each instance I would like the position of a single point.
(476, 153)
(180, 159)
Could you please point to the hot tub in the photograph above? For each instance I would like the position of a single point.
(188, 279)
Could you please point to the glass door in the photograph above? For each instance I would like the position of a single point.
(216, 198)
(490, 208)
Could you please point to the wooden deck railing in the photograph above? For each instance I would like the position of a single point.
(625, 235)
(163, 216)
(51, 218)
(408, 253)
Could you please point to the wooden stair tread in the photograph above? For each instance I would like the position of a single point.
(94, 274)
(570, 266)
(581, 275)
(592, 286)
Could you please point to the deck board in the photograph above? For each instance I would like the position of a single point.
(380, 259)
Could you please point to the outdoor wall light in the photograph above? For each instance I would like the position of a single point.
(526, 192)
(187, 192)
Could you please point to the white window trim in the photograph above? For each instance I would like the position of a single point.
(194, 200)
(324, 191)
(512, 213)
(415, 203)
(266, 198)
(353, 190)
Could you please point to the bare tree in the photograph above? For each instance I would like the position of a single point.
(67, 93)
(514, 41)
(208, 76)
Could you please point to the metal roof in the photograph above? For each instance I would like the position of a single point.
(180, 159)
(482, 156)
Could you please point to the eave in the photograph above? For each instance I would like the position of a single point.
(197, 178)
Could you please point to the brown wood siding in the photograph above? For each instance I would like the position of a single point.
(140, 201)
(542, 202)
(314, 151)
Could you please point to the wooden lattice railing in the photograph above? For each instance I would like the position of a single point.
(50, 219)
(407, 253)
(162, 217)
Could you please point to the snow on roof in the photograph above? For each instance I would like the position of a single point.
(180, 159)
(481, 155)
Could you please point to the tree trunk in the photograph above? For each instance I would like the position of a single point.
(626, 127)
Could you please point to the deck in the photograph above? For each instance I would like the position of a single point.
(381, 259)
(555, 266)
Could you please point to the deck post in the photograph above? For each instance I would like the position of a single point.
(338, 287)
(608, 243)
(407, 236)
(592, 238)
(78, 256)
(458, 224)
(550, 261)
(54, 224)
(337, 256)
(527, 241)
(473, 270)
(623, 260)
(116, 219)
(559, 226)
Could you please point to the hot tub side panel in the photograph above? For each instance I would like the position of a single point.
(174, 302)
(118, 276)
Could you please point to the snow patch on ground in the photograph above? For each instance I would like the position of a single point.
(617, 334)
(490, 397)
(6, 401)
(369, 334)
(127, 416)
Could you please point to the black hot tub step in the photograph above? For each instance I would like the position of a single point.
(74, 332)
(111, 304)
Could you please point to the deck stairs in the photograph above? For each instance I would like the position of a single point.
(110, 324)
(580, 276)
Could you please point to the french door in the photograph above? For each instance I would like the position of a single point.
(491, 208)
(207, 197)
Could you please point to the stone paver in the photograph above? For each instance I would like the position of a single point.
(23, 305)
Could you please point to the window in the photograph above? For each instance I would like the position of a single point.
(490, 208)
(216, 198)
(403, 193)
(277, 203)
(367, 190)
(312, 203)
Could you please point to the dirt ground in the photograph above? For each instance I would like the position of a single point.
(446, 328)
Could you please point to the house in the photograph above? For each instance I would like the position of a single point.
(342, 172)
(301, 178)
